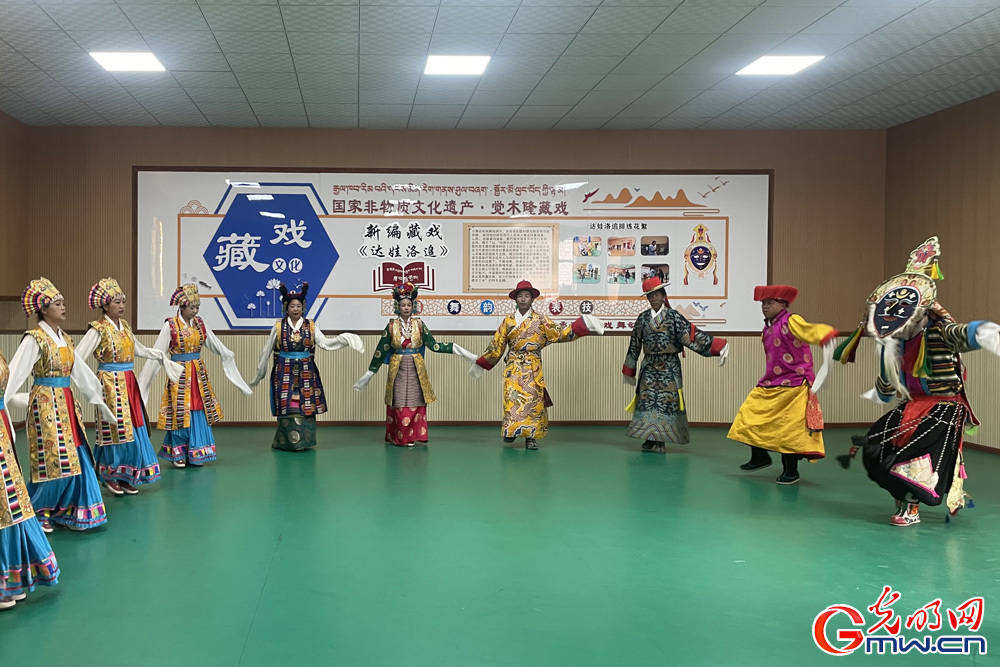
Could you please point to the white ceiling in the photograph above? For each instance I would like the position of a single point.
(563, 64)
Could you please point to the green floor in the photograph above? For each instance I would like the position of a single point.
(468, 552)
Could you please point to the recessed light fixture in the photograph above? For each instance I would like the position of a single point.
(470, 65)
(777, 65)
(128, 62)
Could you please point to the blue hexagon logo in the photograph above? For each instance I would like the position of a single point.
(264, 240)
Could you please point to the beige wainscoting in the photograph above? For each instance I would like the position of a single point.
(584, 379)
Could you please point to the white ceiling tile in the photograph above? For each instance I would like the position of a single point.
(808, 3)
(730, 53)
(132, 118)
(878, 47)
(584, 65)
(626, 20)
(689, 81)
(668, 98)
(555, 97)
(674, 44)
(569, 81)
(967, 67)
(703, 20)
(750, 84)
(779, 19)
(816, 44)
(641, 82)
(561, 3)
(38, 40)
(202, 41)
(264, 62)
(213, 109)
(933, 19)
(109, 40)
(712, 103)
(382, 122)
(548, 111)
(329, 110)
(530, 44)
(606, 97)
(252, 42)
(277, 80)
(395, 44)
(26, 17)
(193, 62)
(79, 116)
(530, 123)
(165, 17)
(535, 19)
(481, 123)
(455, 44)
(328, 80)
(437, 110)
(834, 99)
(393, 96)
(385, 110)
(380, 80)
(680, 123)
(243, 18)
(145, 79)
(344, 122)
(602, 45)
(474, 19)
(24, 77)
(432, 123)
(207, 79)
(988, 23)
(75, 77)
(520, 64)
(581, 123)
(928, 83)
(631, 123)
(223, 95)
(313, 96)
(895, 97)
(504, 81)
(378, 64)
(63, 60)
(725, 123)
(448, 83)
(396, 19)
(443, 97)
(258, 96)
(490, 111)
(99, 98)
(323, 42)
(278, 109)
(642, 110)
(182, 119)
(956, 45)
(87, 17)
(325, 62)
(499, 97)
(316, 18)
(853, 20)
(650, 64)
(605, 112)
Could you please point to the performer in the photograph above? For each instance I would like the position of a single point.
(661, 333)
(915, 450)
(189, 406)
(408, 388)
(782, 413)
(26, 559)
(297, 394)
(524, 334)
(63, 487)
(124, 453)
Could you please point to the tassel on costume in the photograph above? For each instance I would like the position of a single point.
(630, 408)
(680, 398)
(922, 364)
(848, 350)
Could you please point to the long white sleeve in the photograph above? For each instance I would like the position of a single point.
(91, 388)
(265, 357)
(149, 371)
(173, 369)
(229, 368)
(20, 370)
(346, 339)
(89, 343)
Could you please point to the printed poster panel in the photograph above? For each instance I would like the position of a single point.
(586, 241)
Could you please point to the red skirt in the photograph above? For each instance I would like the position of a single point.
(404, 426)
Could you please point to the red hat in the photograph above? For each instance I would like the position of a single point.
(652, 284)
(785, 293)
(524, 285)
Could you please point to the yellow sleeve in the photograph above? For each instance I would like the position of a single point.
(814, 334)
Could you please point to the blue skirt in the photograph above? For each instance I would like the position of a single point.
(26, 559)
(71, 501)
(131, 462)
(195, 444)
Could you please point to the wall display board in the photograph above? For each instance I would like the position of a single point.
(586, 241)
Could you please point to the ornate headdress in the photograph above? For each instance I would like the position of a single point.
(184, 295)
(103, 292)
(405, 290)
(896, 311)
(287, 296)
(785, 293)
(37, 295)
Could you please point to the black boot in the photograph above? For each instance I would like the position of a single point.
(529, 443)
(790, 469)
(759, 458)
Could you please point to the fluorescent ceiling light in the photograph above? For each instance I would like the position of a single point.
(474, 65)
(128, 62)
(776, 65)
